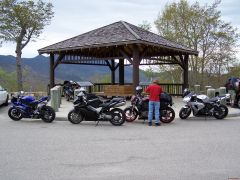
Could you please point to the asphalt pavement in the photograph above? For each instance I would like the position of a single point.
(192, 149)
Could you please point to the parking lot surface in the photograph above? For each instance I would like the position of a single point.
(196, 148)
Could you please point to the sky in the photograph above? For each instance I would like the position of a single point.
(74, 17)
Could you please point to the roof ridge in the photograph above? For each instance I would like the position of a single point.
(131, 31)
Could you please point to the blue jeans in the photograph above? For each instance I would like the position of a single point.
(153, 105)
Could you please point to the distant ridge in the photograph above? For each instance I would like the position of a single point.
(39, 65)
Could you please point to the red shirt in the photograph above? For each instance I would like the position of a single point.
(154, 90)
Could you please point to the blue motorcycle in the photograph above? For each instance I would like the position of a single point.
(29, 107)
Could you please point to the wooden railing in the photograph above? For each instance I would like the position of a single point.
(173, 89)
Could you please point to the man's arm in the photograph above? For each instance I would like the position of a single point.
(147, 90)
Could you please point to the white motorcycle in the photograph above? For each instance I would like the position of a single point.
(202, 105)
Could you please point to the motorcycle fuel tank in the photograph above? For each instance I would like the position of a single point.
(203, 97)
(28, 99)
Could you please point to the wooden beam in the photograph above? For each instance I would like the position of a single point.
(58, 61)
(77, 63)
(185, 72)
(113, 71)
(109, 65)
(136, 61)
(51, 71)
(121, 71)
(117, 65)
(125, 55)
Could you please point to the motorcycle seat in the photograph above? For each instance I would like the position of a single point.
(214, 99)
(105, 104)
(117, 99)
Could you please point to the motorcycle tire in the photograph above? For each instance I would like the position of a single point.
(118, 117)
(15, 114)
(184, 113)
(167, 115)
(75, 117)
(130, 114)
(221, 112)
(238, 103)
(48, 114)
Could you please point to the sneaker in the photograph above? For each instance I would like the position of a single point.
(157, 124)
(149, 123)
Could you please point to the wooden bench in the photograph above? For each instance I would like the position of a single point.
(116, 90)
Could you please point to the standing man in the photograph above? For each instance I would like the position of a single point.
(154, 91)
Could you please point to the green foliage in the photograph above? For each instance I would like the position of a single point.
(145, 25)
(106, 78)
(8, 80)
(21, 21)
(31, 82)
(201, 28)
(166, 74)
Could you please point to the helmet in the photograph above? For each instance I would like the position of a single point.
(82, 89)
(139, 89)
(186, 92)
(82, 92)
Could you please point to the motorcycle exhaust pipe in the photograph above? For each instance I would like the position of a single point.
(107, 117)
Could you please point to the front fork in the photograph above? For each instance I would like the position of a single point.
(188, 108)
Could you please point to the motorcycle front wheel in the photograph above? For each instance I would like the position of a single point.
(184, 113)
(75, 117)
(167, 115)
(118, 117)
(131, 114)
(220, 112)
(48, 114)
(15, 114)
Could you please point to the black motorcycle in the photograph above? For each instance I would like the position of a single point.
(139, 107)
(88, 107)
(68, 89)
(202, 105)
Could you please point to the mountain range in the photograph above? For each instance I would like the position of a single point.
(39, 67)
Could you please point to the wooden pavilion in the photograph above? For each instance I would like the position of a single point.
(118, 45)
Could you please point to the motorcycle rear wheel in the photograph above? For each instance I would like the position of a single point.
(75, 117)
(48, 114)
(184, 113)
(118, 117)
(15, 114)
(131, 114)
(221, 112)
(167, 115)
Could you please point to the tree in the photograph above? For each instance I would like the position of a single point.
(22, 22)
(201, 28)
(145, 25)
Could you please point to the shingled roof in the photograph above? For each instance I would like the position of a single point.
(116, 34)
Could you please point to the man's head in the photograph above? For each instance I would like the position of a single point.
(155, 81)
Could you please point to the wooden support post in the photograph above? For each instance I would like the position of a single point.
(136, 61)
(51, 73)
(185, 72)
(113, 71)
(121, 71)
